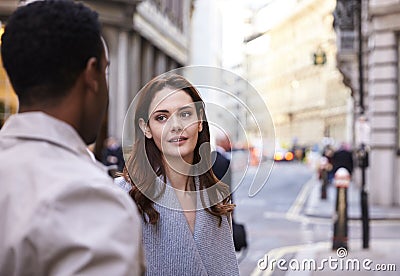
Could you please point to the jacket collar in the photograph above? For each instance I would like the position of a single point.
(40, 126)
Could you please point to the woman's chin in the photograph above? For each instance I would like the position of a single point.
(179, 157)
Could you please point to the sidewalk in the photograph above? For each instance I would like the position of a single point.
(381, 257)
(317, 207)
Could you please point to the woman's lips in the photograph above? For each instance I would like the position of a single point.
(177, 139)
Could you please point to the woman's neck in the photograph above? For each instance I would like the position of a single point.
(177, 173)
(177, 179)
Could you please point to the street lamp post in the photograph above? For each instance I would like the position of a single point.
(362, 152)
(348, 23)
(362, 139)
(363, 159)
(360, 59)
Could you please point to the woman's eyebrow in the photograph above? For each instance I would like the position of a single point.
(186, 107)
(161, 111)
(179, 109)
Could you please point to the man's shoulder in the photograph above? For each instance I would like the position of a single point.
(50, 170)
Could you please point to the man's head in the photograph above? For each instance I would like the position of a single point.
(50, 48)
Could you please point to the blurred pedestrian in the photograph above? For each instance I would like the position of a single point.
(327, 163)
(112, 155)
(221, 156)
(343, 158)
(61, 214)
(223, 171)
(186, 210)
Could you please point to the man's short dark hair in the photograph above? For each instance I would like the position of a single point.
(46, 45)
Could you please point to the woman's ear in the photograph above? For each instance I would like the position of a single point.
(201, 120)
(145, 128)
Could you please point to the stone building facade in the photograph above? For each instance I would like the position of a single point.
(297, 76)
(379, 97)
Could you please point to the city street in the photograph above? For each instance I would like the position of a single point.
(275, 218)
(265, 214)
(157, 83)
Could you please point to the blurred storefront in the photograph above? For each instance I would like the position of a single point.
(375, 56)
(145, 38)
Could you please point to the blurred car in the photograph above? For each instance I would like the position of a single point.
(283, 155)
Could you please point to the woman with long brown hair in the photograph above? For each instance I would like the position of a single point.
(185, 209)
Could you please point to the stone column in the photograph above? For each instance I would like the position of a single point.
(147, 62)
(160, 63)
(118, 82)
(383, 108)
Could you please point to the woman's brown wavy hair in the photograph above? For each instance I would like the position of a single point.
(142, 179)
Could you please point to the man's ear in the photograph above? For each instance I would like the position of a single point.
(91, 74)
(145, 128)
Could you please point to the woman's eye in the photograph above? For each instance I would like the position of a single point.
(186, 114)
(161, 118)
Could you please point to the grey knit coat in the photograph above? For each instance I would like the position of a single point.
(171, 249)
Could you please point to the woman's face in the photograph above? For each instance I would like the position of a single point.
(173, 124)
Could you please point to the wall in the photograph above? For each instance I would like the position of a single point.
(307, 101)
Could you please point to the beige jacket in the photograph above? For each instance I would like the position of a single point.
(60, 213)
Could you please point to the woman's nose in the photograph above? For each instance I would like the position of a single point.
(175, 123)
